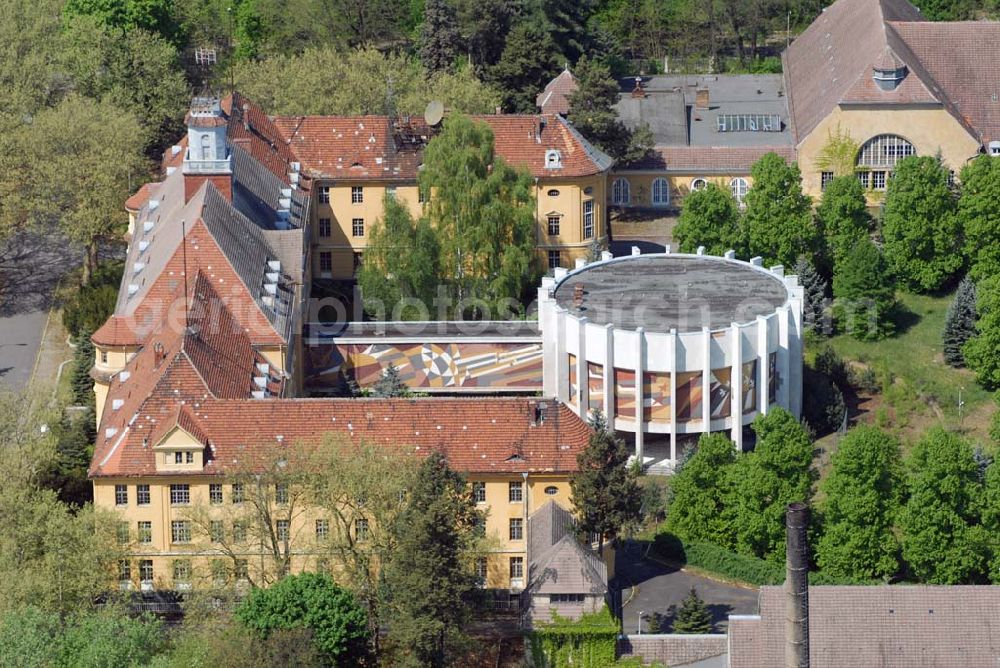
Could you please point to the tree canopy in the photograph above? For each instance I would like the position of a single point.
(865, 293)
(843, 218)
(699, 494)
(979, 216)
(779, 220)
(980, 351)
(959, 322)
(592, 111)
(710, 218)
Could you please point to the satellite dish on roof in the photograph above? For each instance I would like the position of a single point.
(434, 112)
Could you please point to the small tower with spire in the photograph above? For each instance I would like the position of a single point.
(207, 157)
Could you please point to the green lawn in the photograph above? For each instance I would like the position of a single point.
(924, 390)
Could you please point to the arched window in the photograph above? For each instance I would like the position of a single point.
(620, 191)
(206, 147)
(739, 188)
(661, 192)
(699, 184)
(884, 151)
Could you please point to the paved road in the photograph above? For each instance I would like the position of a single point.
(661, 589)
(30, 268)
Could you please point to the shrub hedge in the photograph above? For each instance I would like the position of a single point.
(590, 642)
(730, 565)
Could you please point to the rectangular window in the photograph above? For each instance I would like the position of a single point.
(217, 531)
(324, 227)
(124, 571)
(142, 495)
(824, 179)
(104, 357)
(219, 572)
(178, 458)
(878, 180)
(146, 570)
(361, 530)
(180, 495)
(357, 195)
(516, 567)
(121, 495)
(865, 178)
(515, 491)
(358, 227)
(324, 194)
(516, 528)
(325, 261)
(555, 259)
(479, 491)
(281, 494)
(566, 598)
(281, 528)
(189, 458)
(237, 492)
(588, 219)
(553, 225)
(180, 531)
(322, 529)
(422, 195)
(123, 537)
(182, 570)
(239, 531)
(241, 569)
(145, 532)
(479, 526)
(481, 570)
(215, 494)
(390, 191)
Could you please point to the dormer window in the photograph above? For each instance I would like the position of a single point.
(888, 71)
(552, 159)
(994, 148)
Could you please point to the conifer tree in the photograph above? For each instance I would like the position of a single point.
(865, 293)
(693, 616)
(83, 360)
(390, 384)
(815, 294)
(528, 62)
(921, 229)
(861, 498)
(605, 491)
(960, 322)
(710, 218)
(779, 219)
(440, 38)
(430, 578)
(592, 112)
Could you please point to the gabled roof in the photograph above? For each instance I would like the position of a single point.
(522, 140)
(877, 627)
(475, 434)
(836, 53)
(554, 98)
(254, 131)
(558, 563)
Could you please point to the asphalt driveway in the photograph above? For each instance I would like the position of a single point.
(656, 589)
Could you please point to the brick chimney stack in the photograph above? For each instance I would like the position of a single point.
(796, 586)
(701, 98)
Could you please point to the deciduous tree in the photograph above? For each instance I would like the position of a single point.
(779, 220)
(605, 491)
(861, 499)
(843, 217)
(710, 218)
(942, 542)
(980, 219)
(922, 232)
(698, 492)
(980, 352)
(960, 322)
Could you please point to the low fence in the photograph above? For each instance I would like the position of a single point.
(672, 649)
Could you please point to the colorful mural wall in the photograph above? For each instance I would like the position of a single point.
(500, 366)
(656, 397)
(595, 385)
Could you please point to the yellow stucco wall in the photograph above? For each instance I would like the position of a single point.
(162, 551)
(929, 130)
(641, 186)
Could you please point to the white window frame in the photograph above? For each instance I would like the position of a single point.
(621, 191)
(357, 194)
(884, 151)
(588, 219)
(660, 192)
(739, 187)
(513, 485)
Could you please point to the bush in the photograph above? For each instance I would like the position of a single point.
(88, 308)
(866, 380)
(722, 562)
(590, 642)
(823, 403)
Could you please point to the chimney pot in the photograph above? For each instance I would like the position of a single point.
(701, 99)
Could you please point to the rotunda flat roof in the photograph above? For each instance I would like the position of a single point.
(664, 292)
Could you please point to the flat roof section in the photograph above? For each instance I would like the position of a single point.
(664, 292)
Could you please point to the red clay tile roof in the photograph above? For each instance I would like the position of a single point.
(523, 140)
(708, 159)
(834, 52)
(477, 435)
(554, 99)
(963, 58)
(889, 626)
(141, 196)
(252, 129)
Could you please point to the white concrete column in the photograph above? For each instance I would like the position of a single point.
(706, 380)
(763, 322)
(609, 373)
(673, 394)
(795, 352)
(640, 399)
(582, 372)
(784, 326)
(562, 358)
(736, 386)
